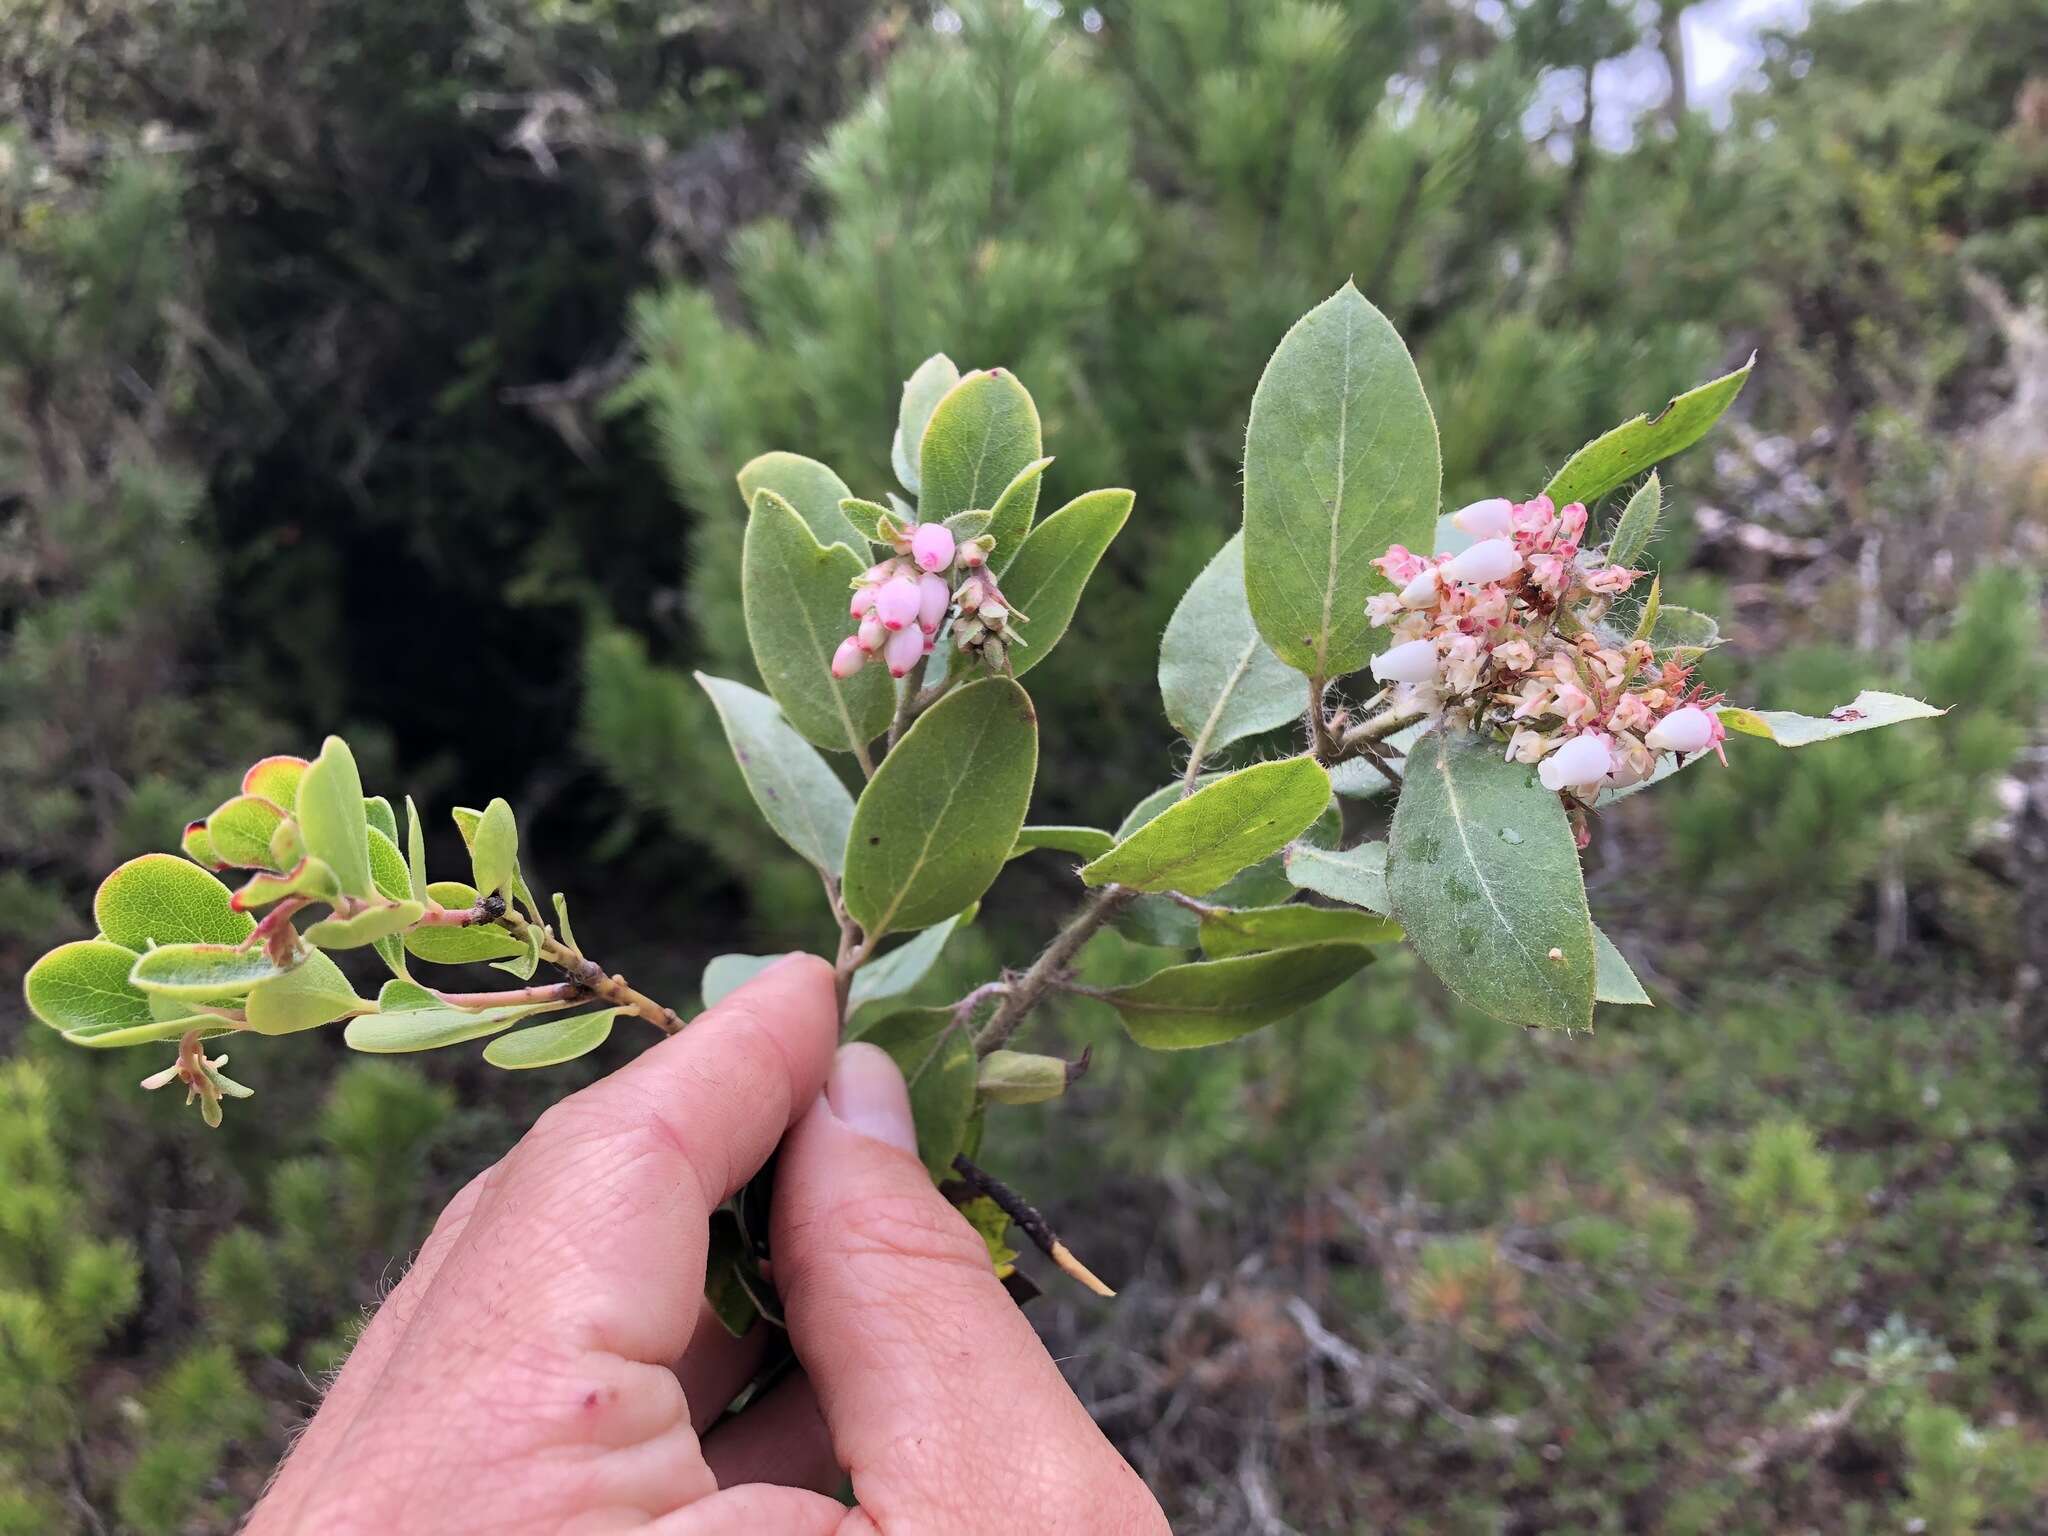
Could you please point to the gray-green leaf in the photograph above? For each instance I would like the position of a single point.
(1357, 876)
(808, 486)
(1255, 930)
(795, 593)
(1638, 525)
(1053, 565)
(552, 1043)
(902, 968)
(1483, 872)
(922, 392)
(934, 824)
(796, 789)
(1207, 1002)
(1866, 712)
(982, 434)
(1220, 680)
(494, 848)
(1341, 460)
(332, 821)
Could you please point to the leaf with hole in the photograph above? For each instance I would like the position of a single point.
(1220, 680)
(1340, 461)
(1868, 711)
(933, 826)
(1622, 454)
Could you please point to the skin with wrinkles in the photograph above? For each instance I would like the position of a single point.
(547, 1365)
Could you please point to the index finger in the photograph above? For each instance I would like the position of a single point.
(595, 1228)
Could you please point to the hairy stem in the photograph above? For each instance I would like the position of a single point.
(585, 975)
(1359, 740)
(1051, 966)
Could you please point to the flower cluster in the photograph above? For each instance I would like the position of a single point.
(1507, 635)
(899, 604)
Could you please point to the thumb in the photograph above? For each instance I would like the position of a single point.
(942, 1403)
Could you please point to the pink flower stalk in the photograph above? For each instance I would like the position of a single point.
(903, 650)
(931, 546)
(896, 602)
(933, 598)
(848, 659)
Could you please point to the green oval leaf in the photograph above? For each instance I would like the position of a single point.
(795, 788)
(415, 853)
(1635, 445)
(1081, 842)
(1357, 876)
(377, 811)
(1208, 1002)
(1045, 580)
(1483, 872)
(1255, 930)
(332, 821)
(1868, 711)
(938, 1064)
(1220, 680)
(494, 848)
(1160, 921)
(161, 899)
(410, 1018)
(276, 779)
(982, 435)
(932, 827)
(366, 927)
(552, 1043)
(812, 489)
(207, 972)
(866, 516)
(1340, 460)
(1228, 825)
(198, 847)
(82, 989)
(310, 994)
(240, 832)
(459, 946)
(922, 392)
(795, 593)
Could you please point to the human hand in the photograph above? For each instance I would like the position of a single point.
(549, 1364)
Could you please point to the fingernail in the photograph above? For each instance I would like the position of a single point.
(866, 1093)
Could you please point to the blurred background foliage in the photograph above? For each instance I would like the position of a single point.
(384, 367)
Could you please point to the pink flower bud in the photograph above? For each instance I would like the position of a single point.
(1413, 662)
(1488, 560)
(903, 650)
(875, 575)
(870, 637)
(1690, 729)
(932, 602)
(1420, 592)
(931, 546)
(1493, 518)
(896, 602)
(848, 659)
(1580, 763)
(973, 553)
(863, 602)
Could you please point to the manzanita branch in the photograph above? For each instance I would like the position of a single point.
(514, 997)
(587, 975)
(1030, 1222)
(1051, 966)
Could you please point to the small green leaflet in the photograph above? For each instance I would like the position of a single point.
(901, 968)
(1638, 525)
(1207, 1002)
(310, 994)
(332, 822)
(552, 1043)
(1220, 681)
(808, 486)
(1613, 979)
(982, 435)
(1256, 930)
(203, 972)
(795, 788)
(1357, 876)
(922, 392)
(1081, 842)
(161, 899)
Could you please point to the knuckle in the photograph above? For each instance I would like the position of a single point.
(912, 1229)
